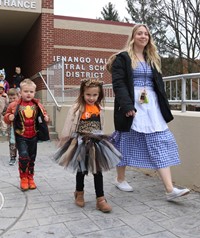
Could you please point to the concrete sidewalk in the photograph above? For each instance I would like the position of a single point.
(49, 211)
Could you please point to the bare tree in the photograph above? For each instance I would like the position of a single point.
(148, 12)
(183, 20)
(175, 26)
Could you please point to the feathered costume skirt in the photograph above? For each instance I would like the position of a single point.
(88, 153)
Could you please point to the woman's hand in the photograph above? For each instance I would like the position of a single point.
(130, 113)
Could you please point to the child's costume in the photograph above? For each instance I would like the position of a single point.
(3, 80)
(3, 126)
(83, 146)
(3, 106)
(12, 144)
(29, 127)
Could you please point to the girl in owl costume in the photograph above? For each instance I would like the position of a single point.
(3, 106)
(83, 146)
(29, 119)
(3, 80)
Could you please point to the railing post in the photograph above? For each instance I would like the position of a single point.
(183, 96)
(48, 89)
(63, 82)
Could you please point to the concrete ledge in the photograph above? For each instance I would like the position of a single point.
(186, 129)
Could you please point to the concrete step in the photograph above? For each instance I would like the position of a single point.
(53, 135)
(3, 138)
(51, 128)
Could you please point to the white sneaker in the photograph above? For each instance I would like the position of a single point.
(177, 193)
(123, 186)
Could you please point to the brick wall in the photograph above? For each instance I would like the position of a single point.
(92, 55)
(89, 39)
(47, 4)
(78, 38)
(39, 44)
(95, 40)
(47, 38)
(51, 36)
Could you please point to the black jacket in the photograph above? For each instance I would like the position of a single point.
(122, 81)
(17, 78)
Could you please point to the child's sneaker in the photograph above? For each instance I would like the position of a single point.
(12, 161)
(4, 133)
(177, 193)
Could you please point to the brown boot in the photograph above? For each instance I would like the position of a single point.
(79, 199)
(102, 205)
(31, 182)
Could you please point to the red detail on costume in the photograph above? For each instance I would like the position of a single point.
(27, 111)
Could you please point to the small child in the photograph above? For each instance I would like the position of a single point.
(12, 95)
(3, 106)
(29, 118)
(17, 78)
(4, 81)
(82, 145)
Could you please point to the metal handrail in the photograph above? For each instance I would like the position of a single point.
(183, 78)
(48, 89)
(192, 75)
(183, 89)
(178, 88)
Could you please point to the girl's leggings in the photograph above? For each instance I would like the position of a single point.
(98, 183)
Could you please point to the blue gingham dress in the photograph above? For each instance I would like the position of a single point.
(149, 144)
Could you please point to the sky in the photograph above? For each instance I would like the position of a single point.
(87, 8)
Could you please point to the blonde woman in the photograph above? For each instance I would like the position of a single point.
(141, 112)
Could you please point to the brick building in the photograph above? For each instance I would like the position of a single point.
(33, 38)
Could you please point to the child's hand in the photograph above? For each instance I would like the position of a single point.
(4, 95)
(11, 117)
(46, 118)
